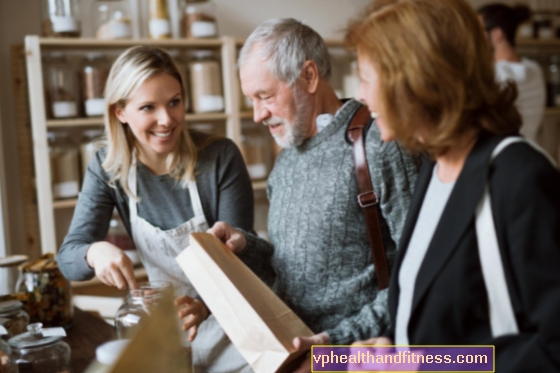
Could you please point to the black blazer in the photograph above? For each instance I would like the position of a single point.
(450, 302)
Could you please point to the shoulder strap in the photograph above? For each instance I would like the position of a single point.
(367, 199)
(502, 317)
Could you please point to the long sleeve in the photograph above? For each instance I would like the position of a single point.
(257, 255)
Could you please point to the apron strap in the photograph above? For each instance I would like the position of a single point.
(195, 199)
(132, 206)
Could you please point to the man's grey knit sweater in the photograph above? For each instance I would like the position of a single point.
(319, 259)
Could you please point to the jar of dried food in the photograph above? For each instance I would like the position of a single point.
(41, 350)
(19, 319)
(91, 142)
(5, 354)
(138, 305)
(255, 147)
(49, 294)
(61, 18)
(65, 165)
(159, 24)
(113, 19)
(199, 19)
(94, 75)
(205, 82)
(61, 86)
(182, 65)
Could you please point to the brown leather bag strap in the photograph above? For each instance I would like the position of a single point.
(367, 199)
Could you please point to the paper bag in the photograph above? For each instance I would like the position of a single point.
(257, 322)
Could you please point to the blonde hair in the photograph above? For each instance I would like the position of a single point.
(435, 69)
(131, 69)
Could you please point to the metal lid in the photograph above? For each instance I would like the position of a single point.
(10, 306)
(33, 338)
(13, 260)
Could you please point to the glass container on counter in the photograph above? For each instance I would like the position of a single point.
(94, 75)
(159, 22)
(199, 19)
(48, 292)
(65, 165)
(12, 310)
(137, 306)
(91, 142)
(553, 82)
(106, 355)
(205, 82)
(61, 18)
(38, 351)
(61, 87)
(5, 355)
(113, 19)
(9, 272)
(256, 150)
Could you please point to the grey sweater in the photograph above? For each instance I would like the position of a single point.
(223, 184)
(319, 259)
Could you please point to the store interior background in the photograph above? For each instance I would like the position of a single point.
(235, 17)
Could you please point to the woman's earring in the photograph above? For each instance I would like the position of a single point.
(374, 115)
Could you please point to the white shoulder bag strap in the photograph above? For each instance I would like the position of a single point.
(502, 318)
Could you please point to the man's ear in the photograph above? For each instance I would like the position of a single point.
(119, 113)
(310, 73)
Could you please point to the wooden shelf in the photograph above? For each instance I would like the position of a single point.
(246, 115)
(79, 43)
(98, 121)
(538, 42)
(65, 203)
(552, 111)
(259, 185)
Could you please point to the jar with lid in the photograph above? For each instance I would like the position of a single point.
(205, 82)
(65, 166)
(94, 75)
(159, 22)
(48, 293)
(199, 19)
(256, 150)
(5, 353)
(61, 18)
(40, 351)
(182, 65)
(61, 87)
(112, 19)
(19, 319)
(91, 142)
(138, 306)
(9, 272)
(553, 82)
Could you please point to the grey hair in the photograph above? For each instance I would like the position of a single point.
(286, 45)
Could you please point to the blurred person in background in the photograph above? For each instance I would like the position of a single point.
(501, 22)
(426, 70)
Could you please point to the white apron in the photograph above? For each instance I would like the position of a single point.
(212, 350)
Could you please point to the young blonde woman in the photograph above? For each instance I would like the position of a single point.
(479, 255)
(166, 181)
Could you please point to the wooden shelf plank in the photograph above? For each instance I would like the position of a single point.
(83, 43)
(246, 114)
(65, 203)
(552, 111)
(98, 121)
(206, 116)
(538, 42)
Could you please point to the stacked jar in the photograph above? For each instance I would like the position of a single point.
(65, 165)
(61, 87)
(256, 150)
(553, 82)
(95, 71)
(159, 22)
(90, 144)
(61, 18)
(12, 310)
(199, 19)
(205, 82)
(113, 20)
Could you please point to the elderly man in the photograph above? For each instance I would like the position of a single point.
(318, 259)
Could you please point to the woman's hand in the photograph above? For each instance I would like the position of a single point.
(112, 266)
(192, 313)
(231, 237)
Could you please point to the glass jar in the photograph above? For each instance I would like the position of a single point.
(182, 65)
(137, 306)
(205, 82)
(61, 18)
(255, 147)
(106, 355)
(91, 142)
(65, 165)
(9, 272)
(553, 82)
(199, 19)
(19, 319)
(94, 75)
(61, 87)
(159, 24)
(38, 352)
(112, 19)
(5, 358)
(49, 294)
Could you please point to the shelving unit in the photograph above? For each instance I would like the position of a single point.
(36, 47)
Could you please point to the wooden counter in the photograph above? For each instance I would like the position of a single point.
(87, 333)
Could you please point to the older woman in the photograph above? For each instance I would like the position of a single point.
(427, 73)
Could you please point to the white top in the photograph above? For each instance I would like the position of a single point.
(532, 92)
(432, 208)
